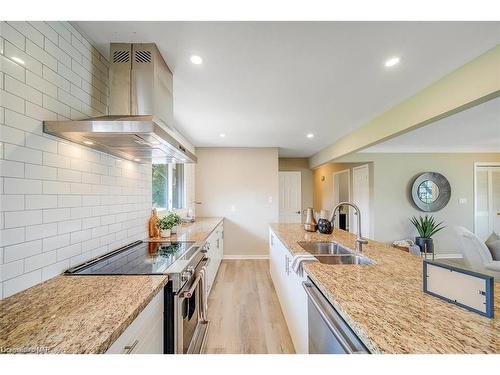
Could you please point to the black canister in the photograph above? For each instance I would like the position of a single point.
(325, 226)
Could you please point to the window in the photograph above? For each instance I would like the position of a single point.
(168, 186)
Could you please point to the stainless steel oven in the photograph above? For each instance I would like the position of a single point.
(190, 310)
(328, 332)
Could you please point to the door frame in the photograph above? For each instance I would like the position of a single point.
(474, 190)
(348, 170)
(300, 194)
(370, 199)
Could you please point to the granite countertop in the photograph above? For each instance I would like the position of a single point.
(82, 314)
(385, 305)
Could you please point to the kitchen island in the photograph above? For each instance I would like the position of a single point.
(384, 303)
(83, 314)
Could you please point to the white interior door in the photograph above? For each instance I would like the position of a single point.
(342, 193)
(361, 197)
(290, 197)
(487, 201)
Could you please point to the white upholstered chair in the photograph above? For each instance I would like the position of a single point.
(475, 252)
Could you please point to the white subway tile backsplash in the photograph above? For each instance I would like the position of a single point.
(11, 237)
(14, 53)
(55, 242)
(12, 203)
(11, 101)
(20, 283)
(22, 154)
(41, 143)
(16, 219)
(13, 69)
(21, 251)
(40, 172)
(54, 50)
(22, 186)
(41, 231)
(55, 160)
(46, 30)
(39, 113)
(12, 269)
(11, 34)
(11, 135)
(34, 202)
(20, 89)
(41, 260)
(41, 84)
(69, 226)
(41, 55)
(55, 187)
(55, 106)
(55, 78)
(11, 168)
(70, 202)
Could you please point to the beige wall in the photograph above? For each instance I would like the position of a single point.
(323, 189)
(392, 177)
(300, 165)
(240, 184)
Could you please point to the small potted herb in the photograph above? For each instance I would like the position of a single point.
(176, 219)
(165, 225)
(426, 227)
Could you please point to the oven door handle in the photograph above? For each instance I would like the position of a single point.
(201, 273)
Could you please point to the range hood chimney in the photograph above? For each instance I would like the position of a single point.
(139, 126)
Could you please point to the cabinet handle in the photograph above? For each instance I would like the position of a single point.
(218, 239)
(130, 348)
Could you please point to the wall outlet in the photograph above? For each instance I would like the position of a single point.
(462, 200)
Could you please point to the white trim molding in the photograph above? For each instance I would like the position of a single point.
(238, 257)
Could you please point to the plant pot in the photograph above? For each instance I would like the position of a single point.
(325, 226)
(423, 243)
(174, 229)
(165, 232)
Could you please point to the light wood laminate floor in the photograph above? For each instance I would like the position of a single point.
(244, 311)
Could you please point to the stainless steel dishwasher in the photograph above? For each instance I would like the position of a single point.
(328, 332)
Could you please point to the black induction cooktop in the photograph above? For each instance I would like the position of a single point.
(138, 258)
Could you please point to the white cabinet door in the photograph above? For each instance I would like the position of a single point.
(145, 334)
(215, 251)
(292, 297)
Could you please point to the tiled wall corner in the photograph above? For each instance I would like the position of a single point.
(60, 203)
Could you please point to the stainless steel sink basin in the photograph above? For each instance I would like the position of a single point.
(315, 248)
(344, 259)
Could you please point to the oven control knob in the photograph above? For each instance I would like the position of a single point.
(185, 276)
(190, 269)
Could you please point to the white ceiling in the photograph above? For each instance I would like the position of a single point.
(268, 84)
(474, 130)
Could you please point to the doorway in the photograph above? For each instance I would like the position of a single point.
(361, 197)
(486, 199)
(290, 210)
(342, 193)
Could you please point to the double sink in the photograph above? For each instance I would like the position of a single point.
(334, 253)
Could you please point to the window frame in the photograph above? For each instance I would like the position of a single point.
(170, 189)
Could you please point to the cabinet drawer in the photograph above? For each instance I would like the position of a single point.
(145, 334)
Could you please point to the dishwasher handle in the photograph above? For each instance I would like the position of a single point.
(332, 319)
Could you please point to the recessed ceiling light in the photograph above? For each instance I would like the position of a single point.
(137, 159)
(310, 135)
(392, 61)
(88, 142)
(195, 59)
(18, 60)
(222, 135)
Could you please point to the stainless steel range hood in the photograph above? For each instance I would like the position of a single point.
(139, 126)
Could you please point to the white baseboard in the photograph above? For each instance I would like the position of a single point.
(235, 257)
(448, 256)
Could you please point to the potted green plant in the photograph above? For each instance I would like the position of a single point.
(165, 225)
(176, 219)
(426, 227)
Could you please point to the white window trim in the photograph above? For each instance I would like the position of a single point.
(180, 211)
